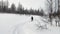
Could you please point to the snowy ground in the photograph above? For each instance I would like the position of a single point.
(21, 24)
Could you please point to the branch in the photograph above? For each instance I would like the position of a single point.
(48, 1)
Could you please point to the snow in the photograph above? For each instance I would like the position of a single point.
(22, 24)
(9, 21)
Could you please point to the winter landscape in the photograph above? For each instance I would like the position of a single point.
(30, 17)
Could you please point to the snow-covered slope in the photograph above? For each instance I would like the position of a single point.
(32, 28)
(9, 21)
(22, 24)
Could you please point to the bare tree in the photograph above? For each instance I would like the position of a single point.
(49, 7)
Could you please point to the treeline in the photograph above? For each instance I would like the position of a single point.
(54, 14)
(20, 10)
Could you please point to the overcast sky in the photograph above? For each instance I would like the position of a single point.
(35, 4)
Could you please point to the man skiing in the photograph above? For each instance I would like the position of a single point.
(32, 18)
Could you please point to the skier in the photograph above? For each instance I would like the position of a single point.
(32, 18)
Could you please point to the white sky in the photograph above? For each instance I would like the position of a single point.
(35, 4)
